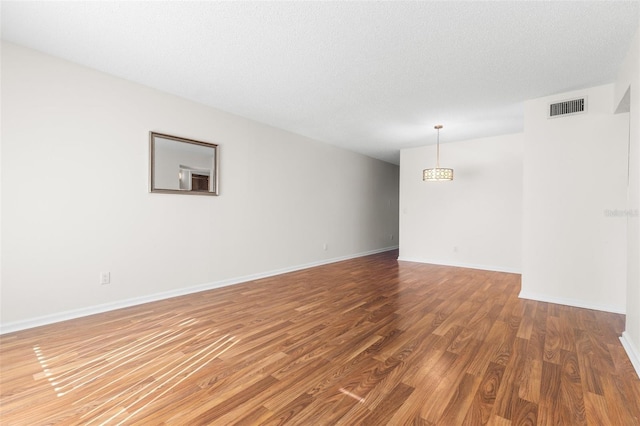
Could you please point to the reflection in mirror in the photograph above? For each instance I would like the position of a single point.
(182, 166)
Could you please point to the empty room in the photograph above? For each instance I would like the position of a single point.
(320, 213)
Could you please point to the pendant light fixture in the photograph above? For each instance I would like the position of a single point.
(438, 173)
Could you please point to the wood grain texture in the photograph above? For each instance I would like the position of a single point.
(368, 341)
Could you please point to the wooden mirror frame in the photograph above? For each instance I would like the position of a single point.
(188, 160)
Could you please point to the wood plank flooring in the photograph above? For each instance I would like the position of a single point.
(369, 341)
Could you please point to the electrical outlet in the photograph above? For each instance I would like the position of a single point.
(325, 246)
(105, 278)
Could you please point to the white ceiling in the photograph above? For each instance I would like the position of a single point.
(372, 77)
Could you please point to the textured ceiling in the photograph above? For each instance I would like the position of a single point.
(372, 77)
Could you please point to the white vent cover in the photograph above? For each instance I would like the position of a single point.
(570, 107)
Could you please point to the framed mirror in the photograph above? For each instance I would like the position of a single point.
(182, 166)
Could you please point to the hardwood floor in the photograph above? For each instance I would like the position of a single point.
(368, 341)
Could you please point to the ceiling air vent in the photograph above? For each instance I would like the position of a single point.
(570, 107)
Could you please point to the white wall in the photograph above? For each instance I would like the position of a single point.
(282, 197)
(629, 80)
(473, 221)
(575, 170)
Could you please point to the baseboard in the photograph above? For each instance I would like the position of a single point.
(463, 265)
(97, 309)
(572, 302)
(632, 351)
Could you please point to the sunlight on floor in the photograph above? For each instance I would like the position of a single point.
(90, 378)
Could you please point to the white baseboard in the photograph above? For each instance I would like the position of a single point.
(463, 265)
(632, 351)
(97, 309)
(572, 302)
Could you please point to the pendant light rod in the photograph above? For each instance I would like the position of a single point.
(438, 127)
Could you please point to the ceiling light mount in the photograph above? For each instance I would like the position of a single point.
(438, 173)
